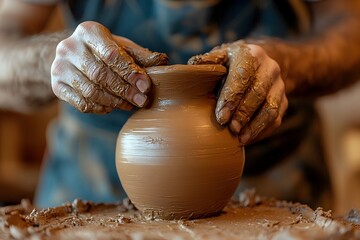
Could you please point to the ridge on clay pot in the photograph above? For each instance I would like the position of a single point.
(173, 159)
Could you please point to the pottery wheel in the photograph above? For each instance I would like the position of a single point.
(249, 217)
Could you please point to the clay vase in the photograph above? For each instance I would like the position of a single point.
(173, 159)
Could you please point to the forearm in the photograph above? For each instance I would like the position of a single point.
(25, 82)
(316, 67)
(323, 63)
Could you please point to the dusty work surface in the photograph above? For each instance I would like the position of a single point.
(249, 217)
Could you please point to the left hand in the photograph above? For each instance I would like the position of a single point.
(252, 101)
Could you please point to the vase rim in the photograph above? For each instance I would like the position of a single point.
(184, 69)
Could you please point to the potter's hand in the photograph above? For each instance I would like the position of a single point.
(96, 71)
(252, 100)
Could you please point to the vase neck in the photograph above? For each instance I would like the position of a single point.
(182, 82)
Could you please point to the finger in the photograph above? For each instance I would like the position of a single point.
(101, 43)
(216, 56)
(266, 115)
(103, 76)
(241, 72)
(276, 124)
(67, 93)
(255, 95)
(70, 95)
(143, 56)
(91, 92)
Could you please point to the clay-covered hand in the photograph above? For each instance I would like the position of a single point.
(97, 72)
(252, 100)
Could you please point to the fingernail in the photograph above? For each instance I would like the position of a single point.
(139, 99)
(142, 85)
(235, 126)
(224, 115)
(244, 138)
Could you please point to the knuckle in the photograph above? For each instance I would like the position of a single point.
(122, 89)
(286, 101)
(122, 104)
(64, 47)
(273, 125)
(112, 81)
(282, 87)
(156, 59)
(259, 89)
(242, 115)
(241, 73)
(58, 89)
(89, 28)
(278, 122)
(117, 103)
(276, 68)
(81, 28)
(82, 106)
(103, 77)
(91, 92)
(257, 51)
(110, 54)
(57, 68)
(97, 74)
(85, 27)
(127, 71)
(272, 113)
(272, 109)
(273, 67)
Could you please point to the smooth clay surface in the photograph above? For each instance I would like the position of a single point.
(248, 217)
(174, 160)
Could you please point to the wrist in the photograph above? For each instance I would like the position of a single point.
(279, 51)
(46, 52)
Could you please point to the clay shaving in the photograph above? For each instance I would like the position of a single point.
(248, 217)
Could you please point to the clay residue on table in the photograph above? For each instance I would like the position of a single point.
(269, 219)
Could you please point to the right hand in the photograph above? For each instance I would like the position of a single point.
(97, 72)
(252, 101)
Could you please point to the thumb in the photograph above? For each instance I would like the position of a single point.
(142, 56)
(215, 56)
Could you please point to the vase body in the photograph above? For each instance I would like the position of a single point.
(173, 159)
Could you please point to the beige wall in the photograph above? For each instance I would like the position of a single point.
(341, 133)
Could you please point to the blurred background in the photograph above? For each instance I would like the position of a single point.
(23, 143)
(340, 115)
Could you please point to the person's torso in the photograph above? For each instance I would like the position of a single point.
(186, 28)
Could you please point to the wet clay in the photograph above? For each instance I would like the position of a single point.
(174, 160)
(264, 219)
(242, 72)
